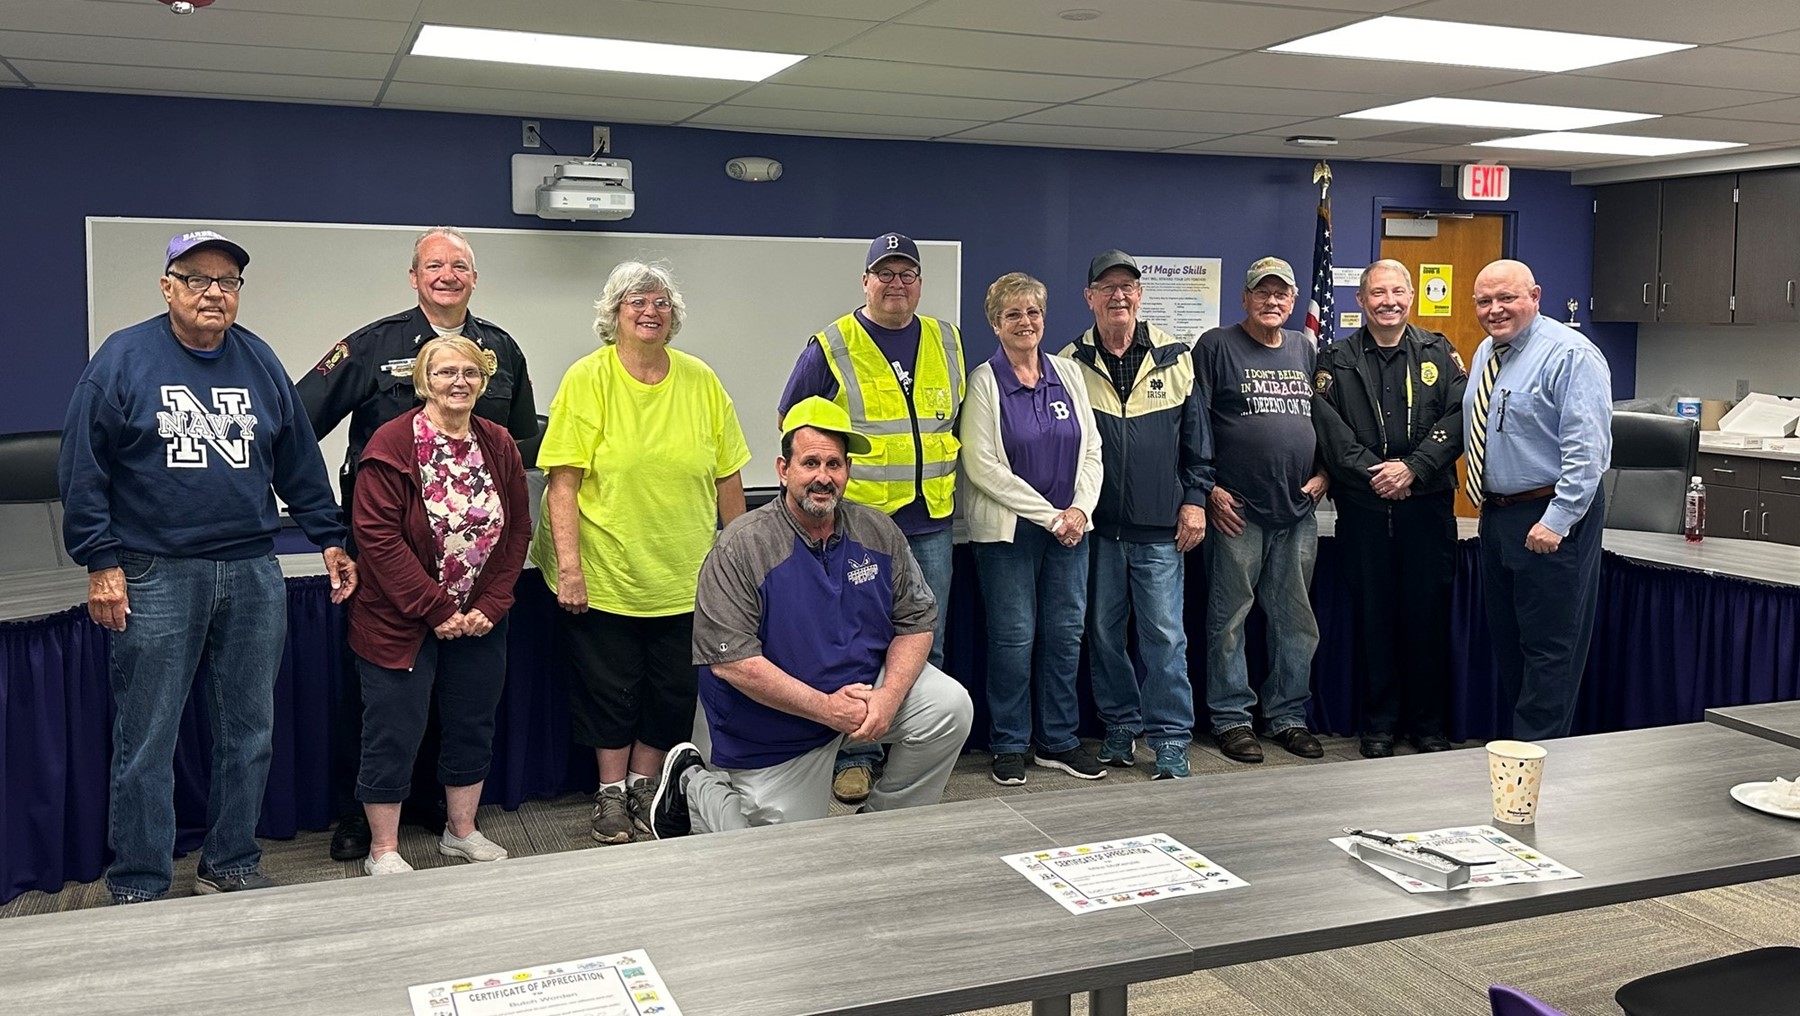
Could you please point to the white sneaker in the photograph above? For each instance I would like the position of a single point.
(473, 847)
(390, 863)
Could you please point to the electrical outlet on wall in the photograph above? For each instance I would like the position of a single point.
(602, 140)
(531, 137)
(1743, 388)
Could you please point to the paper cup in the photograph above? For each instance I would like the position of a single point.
(1516, 770)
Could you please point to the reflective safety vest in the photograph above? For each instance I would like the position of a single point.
(914, 444)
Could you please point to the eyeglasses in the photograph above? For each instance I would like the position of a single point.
(202, 283)
(640, 302)
(1126, 288)
(1272, 295)
(450, 375)
(1016, 315)
(887, 275)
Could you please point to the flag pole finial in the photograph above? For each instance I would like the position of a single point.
(1322, 177)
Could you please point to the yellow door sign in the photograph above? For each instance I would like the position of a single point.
(1434, 290)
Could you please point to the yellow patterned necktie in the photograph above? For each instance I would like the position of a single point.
(1477, 451)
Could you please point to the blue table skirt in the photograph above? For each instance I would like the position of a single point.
(1667, 645)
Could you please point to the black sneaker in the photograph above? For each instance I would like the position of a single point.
(206, 883)
(669, 808)
(1076, 762)
(1009, 769)
(350, 840)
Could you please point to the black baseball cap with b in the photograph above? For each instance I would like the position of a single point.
(891, 245)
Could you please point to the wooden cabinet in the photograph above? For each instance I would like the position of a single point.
(1627, 229)
(1768, 246)
(1751, 499)
(1694, 263)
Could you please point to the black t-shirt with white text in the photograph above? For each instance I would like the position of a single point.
(1261, 414)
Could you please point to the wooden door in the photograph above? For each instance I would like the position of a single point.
(1768, 247)
(1466, 245)
(1627, 231)
(1699, 240)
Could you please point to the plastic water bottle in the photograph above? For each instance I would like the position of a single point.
(1693, 515)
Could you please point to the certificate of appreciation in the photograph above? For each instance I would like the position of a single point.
(622, 985)
(1121, 873)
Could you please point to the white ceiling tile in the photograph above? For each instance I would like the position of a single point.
(514, 103)
(1522, 158)
(650, 22)
(219, 24)
(1080, 137)
(1779, 111)
(1707, 129)
(377, 10)
(843, 72)
(1193, 121)
(427, 70)
(1780, 42)
(1343, 129)
(1266, 145)
(1042, 54)
(845, 100)
(208, 84)
(803, 122)
(1290, 70)
(1283, 101)
(1671, 20)
(1711, 66)
(860, 10)
(1610, 93)
(210, 55)
(1193, 22)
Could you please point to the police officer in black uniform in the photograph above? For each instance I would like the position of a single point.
(368, 377)
(1387, 407)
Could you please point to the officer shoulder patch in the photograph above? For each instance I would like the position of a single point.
(335, 355)
(1456, 358)
(1322, 381)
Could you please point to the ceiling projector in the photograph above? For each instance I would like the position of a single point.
(587, 189)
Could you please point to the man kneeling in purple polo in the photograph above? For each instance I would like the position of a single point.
(811, 628)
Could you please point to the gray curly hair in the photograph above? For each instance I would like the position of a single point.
(636, 277)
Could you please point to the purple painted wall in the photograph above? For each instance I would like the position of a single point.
(1043, 211)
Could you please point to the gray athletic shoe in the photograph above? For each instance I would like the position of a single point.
(612, 816)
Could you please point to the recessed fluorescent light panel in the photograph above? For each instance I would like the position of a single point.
(1453, 42)
(1522, 116)
(1607, 144)
(581, 53)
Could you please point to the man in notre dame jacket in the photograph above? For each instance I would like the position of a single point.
(1388, 411)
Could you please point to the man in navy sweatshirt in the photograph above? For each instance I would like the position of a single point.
(180, 434)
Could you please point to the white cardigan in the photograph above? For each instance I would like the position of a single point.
(993, 499)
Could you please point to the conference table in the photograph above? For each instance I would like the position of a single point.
(913, 913)
(1681, 628)
(1777, 721)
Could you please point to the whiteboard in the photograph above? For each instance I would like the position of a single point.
(752, 301)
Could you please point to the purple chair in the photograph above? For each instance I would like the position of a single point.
(1507, 1001)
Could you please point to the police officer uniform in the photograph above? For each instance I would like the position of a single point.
(1372, 405)
(368, 377)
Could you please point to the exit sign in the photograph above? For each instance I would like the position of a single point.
(1484, 183)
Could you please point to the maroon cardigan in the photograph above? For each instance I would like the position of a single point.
(399, 599)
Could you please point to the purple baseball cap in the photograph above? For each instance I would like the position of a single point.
(892, 245)
(189, 242)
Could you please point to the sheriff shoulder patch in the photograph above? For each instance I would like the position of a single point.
(335, 355)
(1461, 367)
(1322, 381)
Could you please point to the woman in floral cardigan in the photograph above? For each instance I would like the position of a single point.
(441, 522)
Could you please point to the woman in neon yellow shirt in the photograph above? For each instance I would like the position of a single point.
(643, 453)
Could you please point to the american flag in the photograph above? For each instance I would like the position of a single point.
(1318, 309)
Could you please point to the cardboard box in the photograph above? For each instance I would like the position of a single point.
(1760, 415)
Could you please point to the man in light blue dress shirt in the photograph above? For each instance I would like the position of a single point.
(1547, 440)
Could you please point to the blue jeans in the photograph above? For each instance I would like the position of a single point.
(935, 553)
(1271, 566)
(1146, 580)
(1035, 590)
(232, 614)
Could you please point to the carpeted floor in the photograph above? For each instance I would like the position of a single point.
(1574, 961)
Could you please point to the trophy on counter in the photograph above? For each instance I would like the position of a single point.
(1574, 305)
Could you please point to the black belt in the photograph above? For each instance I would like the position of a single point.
(1505, 500)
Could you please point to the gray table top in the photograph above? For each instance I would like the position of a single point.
(747, 923)
(1777, 721)
(1640, 813)
(1773, 563)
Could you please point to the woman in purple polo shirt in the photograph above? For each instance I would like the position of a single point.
(1031, 462)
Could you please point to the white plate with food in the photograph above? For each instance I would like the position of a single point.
(1775, 797)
